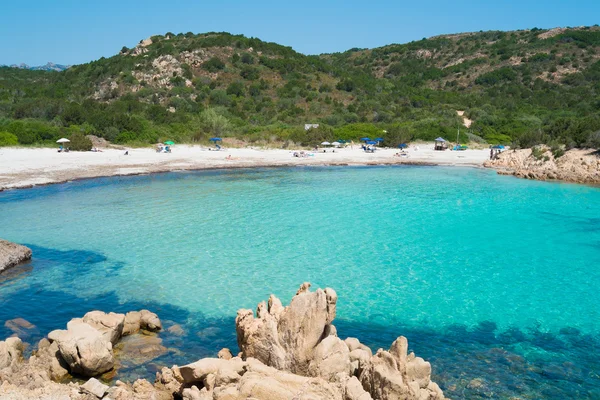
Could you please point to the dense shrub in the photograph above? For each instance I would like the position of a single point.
(213, 65)
(79, 142)
(8, 139)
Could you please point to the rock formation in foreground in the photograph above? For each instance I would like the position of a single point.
(290, 352)
(12, 254)
(576, 165)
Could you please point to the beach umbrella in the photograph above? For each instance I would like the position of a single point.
(325, 144)
(215, 139)
(440, 139)
(342, 141)
(498, 146)
(371, 142)
(378, 139)
(364, 139)
(63, 140)
(335, 144)
(170, 142)
(402, 146)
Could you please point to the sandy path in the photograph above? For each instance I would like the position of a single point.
(24, 167)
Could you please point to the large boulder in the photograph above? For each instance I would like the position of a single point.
(110, 325)
(85, 349)
(12, 254)
(286, 337)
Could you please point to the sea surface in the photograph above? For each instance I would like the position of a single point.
(493, 279)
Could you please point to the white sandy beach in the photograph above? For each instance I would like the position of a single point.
(24, 167)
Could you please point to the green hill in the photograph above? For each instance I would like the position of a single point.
(523, 87)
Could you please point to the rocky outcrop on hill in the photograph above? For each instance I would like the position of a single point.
(12, 254)
(576, 165)
(290, 352)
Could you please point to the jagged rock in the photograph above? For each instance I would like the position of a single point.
(49, 391)
(150, 321)
(140, 390)
(354, 344)
(11, 352)
(575, 165)
(95, 387)
(132, 323)
(84, 349)
(353, 390)
(193, 393)
(300, 338)
(393, 374)
(12, 254)
(330, 357)
(136, 320)
(286, 338)
(225, 354)
(110, 325)
(48, 356)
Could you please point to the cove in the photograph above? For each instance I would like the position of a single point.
(491, 278)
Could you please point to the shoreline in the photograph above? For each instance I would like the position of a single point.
(40, 167)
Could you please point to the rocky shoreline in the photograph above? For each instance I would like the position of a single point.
(576, 165)
(290, 352)
(12, 254)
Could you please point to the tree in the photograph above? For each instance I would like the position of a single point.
(213, 123)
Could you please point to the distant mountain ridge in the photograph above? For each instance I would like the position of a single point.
(49, 66)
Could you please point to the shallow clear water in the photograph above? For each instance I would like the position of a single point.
(490, 277)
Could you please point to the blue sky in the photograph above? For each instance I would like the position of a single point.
(78, 31)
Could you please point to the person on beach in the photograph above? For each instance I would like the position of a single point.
(491, 153)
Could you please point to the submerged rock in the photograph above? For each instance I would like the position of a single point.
(20, 327)
(139, 349)
(12, 254)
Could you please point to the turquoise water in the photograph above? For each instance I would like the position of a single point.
(490, 277)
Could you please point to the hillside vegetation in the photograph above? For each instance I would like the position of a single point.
(523, 88)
